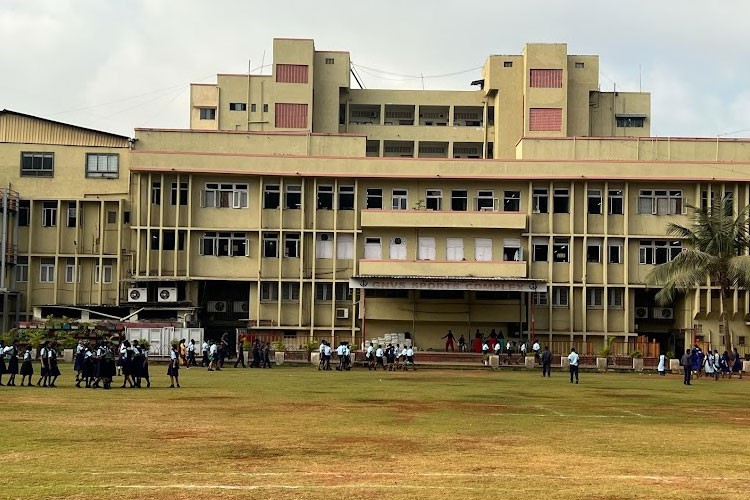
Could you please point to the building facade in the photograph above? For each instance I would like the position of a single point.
(296, 205)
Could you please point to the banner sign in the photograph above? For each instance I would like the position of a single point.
(446, 284)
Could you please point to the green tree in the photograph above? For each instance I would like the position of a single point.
(715, 245)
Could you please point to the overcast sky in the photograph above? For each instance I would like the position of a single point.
(120, 64)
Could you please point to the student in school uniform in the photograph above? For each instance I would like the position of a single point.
(78, 362)
(126, 361)
(27, 367)
(191, 353)
(3, 368)
(379, 358)
(174, 367)
(136, 366)
(267, 355)
(11, 358)
(88, 367)
(736, 365)
(44, 359)
(144, 367)
(54, 371)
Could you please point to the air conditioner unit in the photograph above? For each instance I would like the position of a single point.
(342, 313)
(662, 312)
(216, 306)
(397, 241)
(167, 294)
(240, 306)
(137, 295)
(324, 237)
(641, 312)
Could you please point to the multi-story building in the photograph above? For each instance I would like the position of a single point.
(298, 205)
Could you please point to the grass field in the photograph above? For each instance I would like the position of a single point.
(299, 433)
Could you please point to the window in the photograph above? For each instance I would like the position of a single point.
(594, 298)
(512, 201)
(155, 239)
(459, 200)
(630, 121)
(615, 298)
(207, 113)
(398, 248)
(271, 196)
(324, 292)
(102, 165)
(49, 214)
(614, 251)
(345, 247)
(705, 203)
(271, 245)
(373, 248)
(546, 78)
(595, 201)
(482, 249)
(106, 277)
(540, 200)
(507, 64)
(265, 108)
(616, 205)
(559, 296)
(560, 249)
(594, 250)
(545, 119)
(290, 292)
(293, 197)
(660, 202)
(539, 298)
(658, 251)
(374, 198)
(269, 291)
(126, 217)
(399, 199)
(346, 197)
(37, 164)
(540, 247)
(291, 245)
(225, 196)
(512, 249)
(434, 199)
(325, 197)
(237, 106)
(111, 217)
(71, 214)
(579, 65)
(24, 212)
(168, 240)
(291, 73)
(485, 200)
(253, 107)
(290, 115)
(47, 270)
(343, 292)
(324, 246)
(561, 201)
(223, 244)
(70, 272)
(329, 60)
(454, 249)
(426, 248)
(156, 193)
(179, 193)
(22, 269)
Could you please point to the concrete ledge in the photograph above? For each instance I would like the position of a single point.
(315, 358)
(674, 366)
(279, 358)
(494, 361)
(601, 364)
(529, 362)
(638, 364)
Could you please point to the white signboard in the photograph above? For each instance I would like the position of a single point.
(446, 284)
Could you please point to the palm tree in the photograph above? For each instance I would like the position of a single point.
(715, 247)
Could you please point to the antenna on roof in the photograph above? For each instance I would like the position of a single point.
(639, 79)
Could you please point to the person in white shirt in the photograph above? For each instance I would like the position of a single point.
(340, 353)
(410, 359)
(535, 348)
(370, 356)
(204, 350)
(573, 358)
(523, 348)
(327, 350)
(213, 357)
(191, 353)
(174, 367)
(379, 358)
(662, 367)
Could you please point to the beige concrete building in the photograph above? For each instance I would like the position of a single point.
(297, 205)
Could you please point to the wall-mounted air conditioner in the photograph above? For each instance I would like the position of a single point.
(342, 313)
(167, 294)
(137, 295)
(216, 306)
(240, 306)
(641, 312)
(663, 312)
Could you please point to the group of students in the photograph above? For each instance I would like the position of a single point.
(261, 355)
(9, 364)
(392, 358)
(695, 364)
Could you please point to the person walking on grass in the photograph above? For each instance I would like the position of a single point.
(27, 367)
(736, 366)
(573, 359)
(240, 354)
(191, 353)
(10, 354)
(174, 367)
(662, 367)
(687, 367)
(709, 366)
(546, 362)
(449, 338)
(44, 375)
